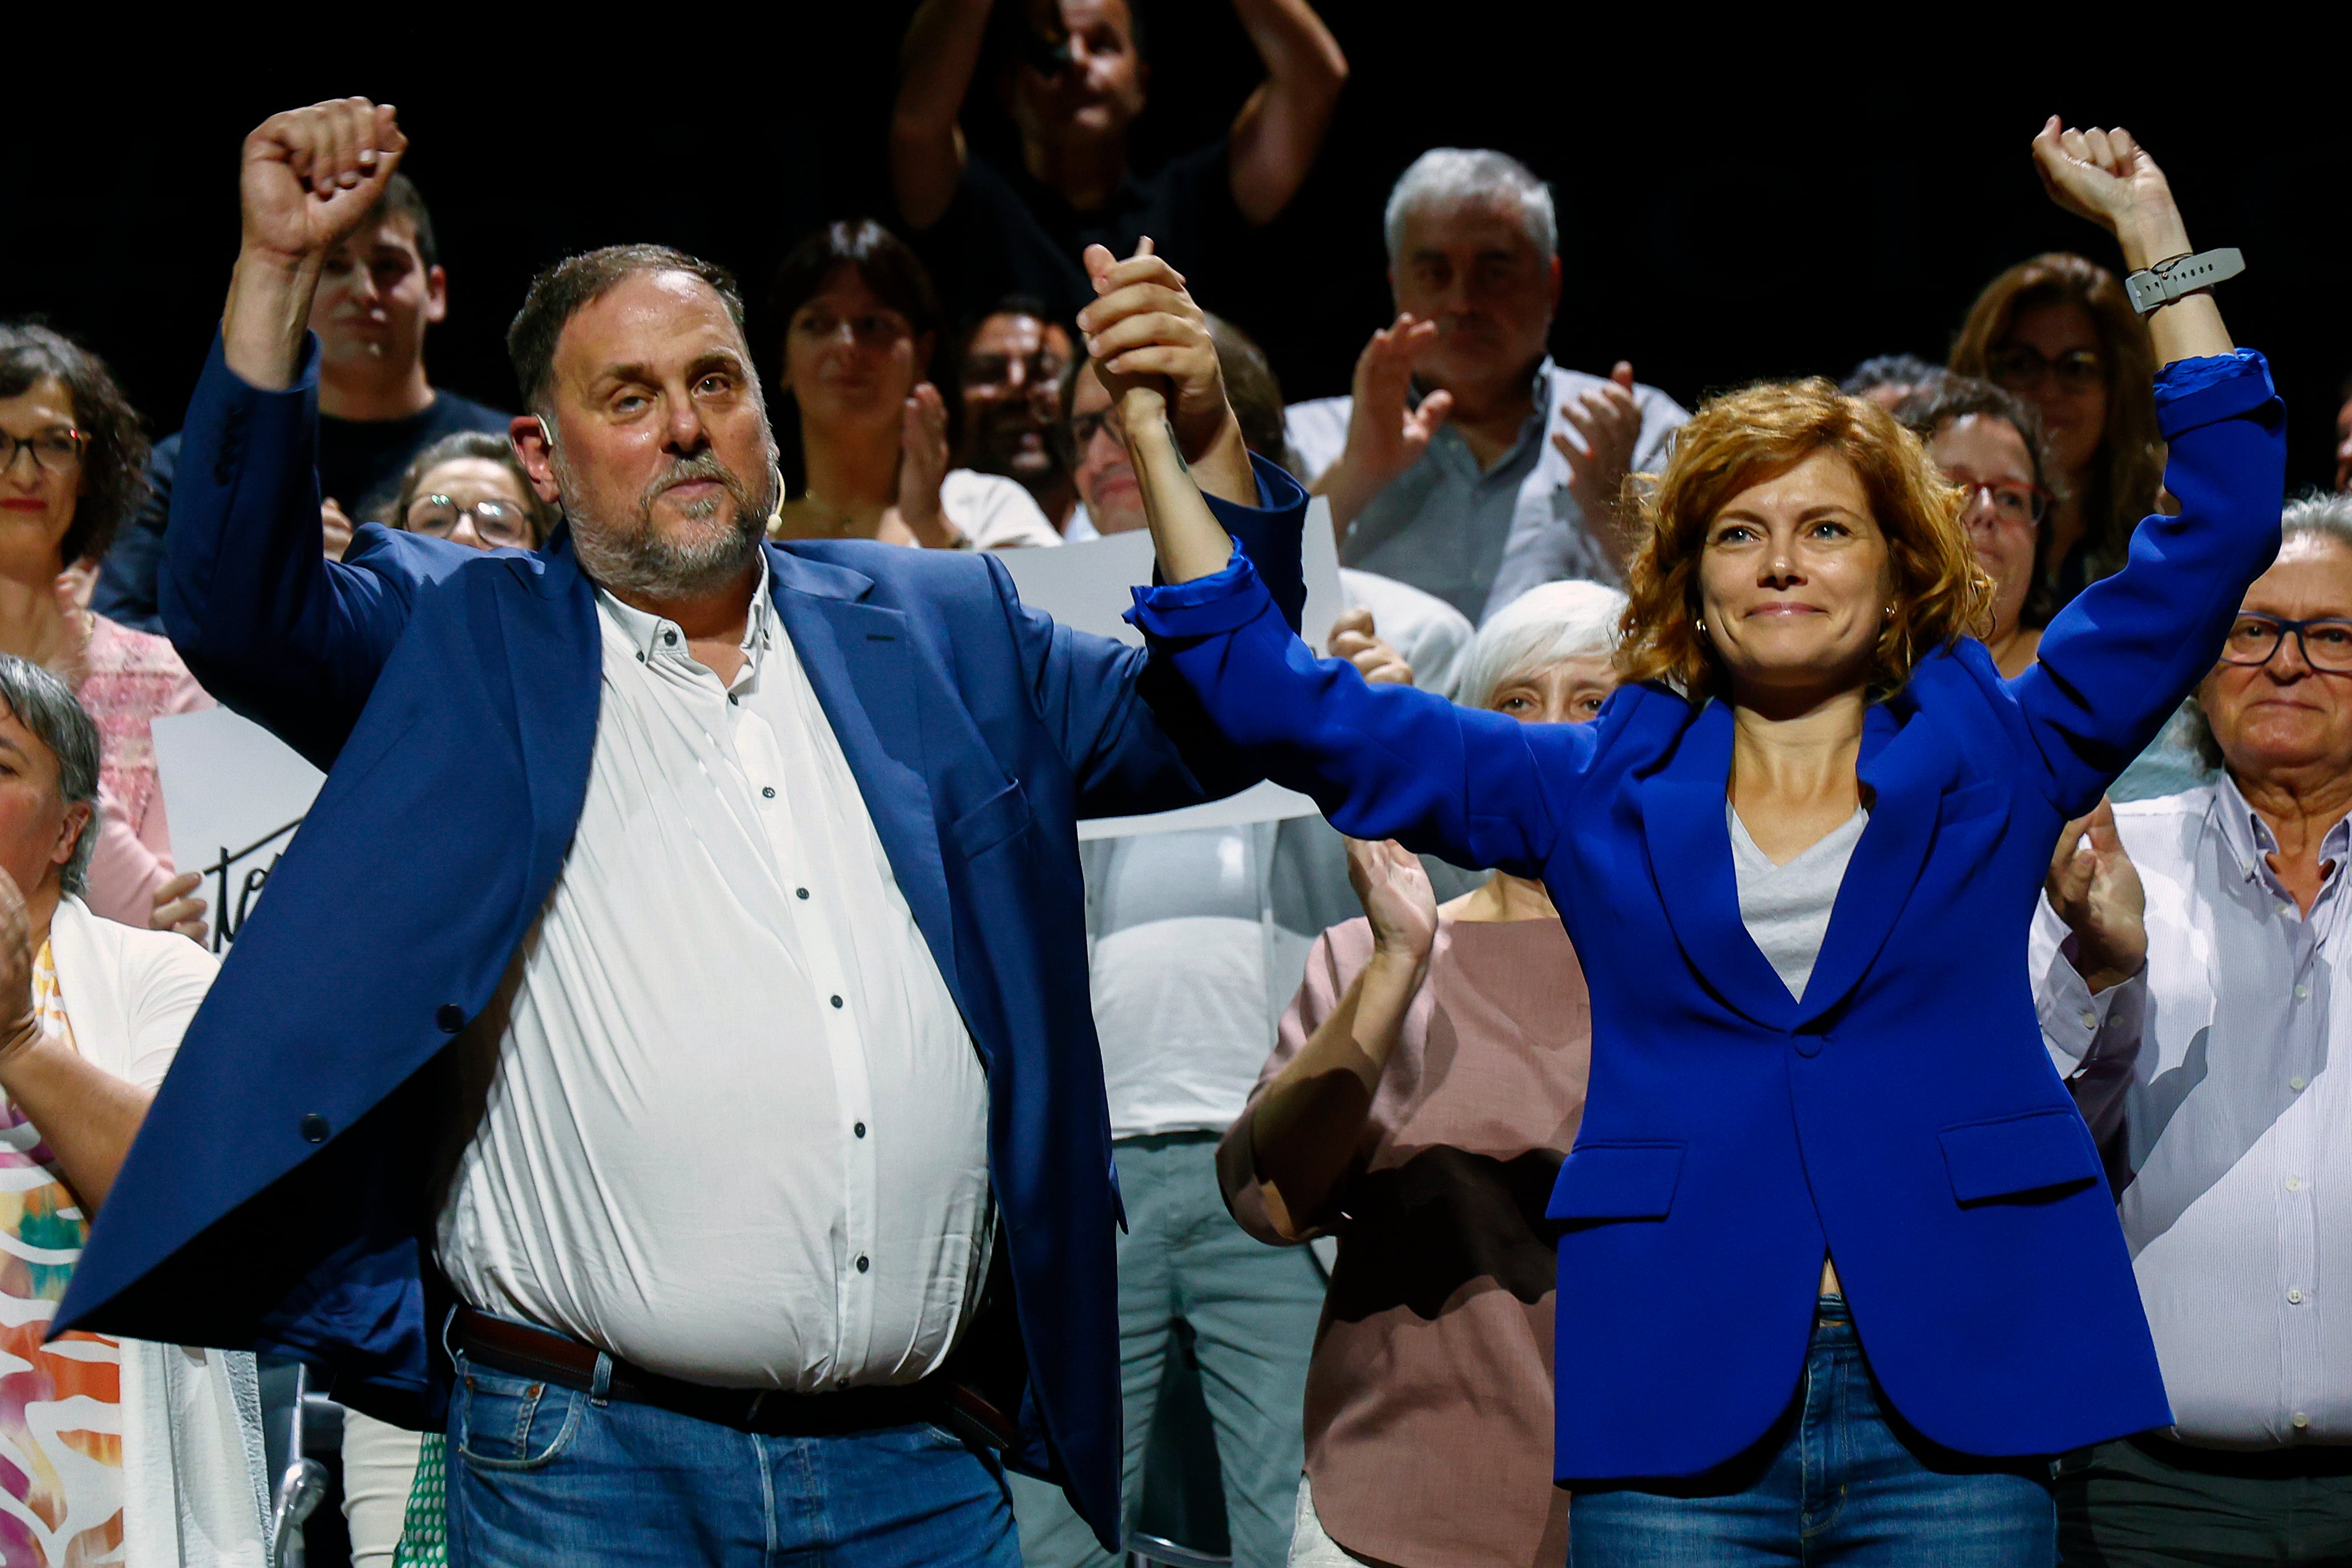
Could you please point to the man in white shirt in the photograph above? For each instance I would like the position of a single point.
(756, 931)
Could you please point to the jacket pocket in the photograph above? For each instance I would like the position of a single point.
(2036, 1154)
(991, 822)
(1616, 1181)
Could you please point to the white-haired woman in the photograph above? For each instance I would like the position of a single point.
(1427, 1084)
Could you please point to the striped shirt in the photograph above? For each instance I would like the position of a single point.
(2238, 1130)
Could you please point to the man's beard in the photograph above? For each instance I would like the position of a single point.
(641, 556)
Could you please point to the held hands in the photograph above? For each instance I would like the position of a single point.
(1152, 348)
(1396, 893)
(1352, 638)
(2108, 178)
(310, 174)
(1609, 421)
(1385, 436)
(2095, 890)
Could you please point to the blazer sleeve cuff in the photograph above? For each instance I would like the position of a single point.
(2208, 390)
(1223, 600)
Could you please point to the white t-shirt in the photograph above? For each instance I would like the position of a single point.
(993, 512)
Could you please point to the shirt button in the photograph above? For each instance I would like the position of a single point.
(670, 637)
(860, 1129)
(2287, 909)
(2294, 1298)
(2294, 1184)
(836, 1001)
(862, 1264)
(2294, 1084)
(768, 792)
(1808, 1045)
(2301, 1420)
(314, 1128)
(802, 893)
(734, 697)
(2090, 1018)
(2301, 992)
(450, 1017)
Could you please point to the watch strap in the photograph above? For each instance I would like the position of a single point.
(2175, 277)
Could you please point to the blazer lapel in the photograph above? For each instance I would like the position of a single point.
(1690, 860)
(554, 661)
(869, 682)
(1905, 767)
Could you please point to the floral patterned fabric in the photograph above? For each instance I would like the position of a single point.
(60, 1404)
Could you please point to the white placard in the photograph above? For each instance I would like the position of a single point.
(235, 793)
(1086, 586)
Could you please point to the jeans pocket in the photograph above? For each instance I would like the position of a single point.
(507, 1423)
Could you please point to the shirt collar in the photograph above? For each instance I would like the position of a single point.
(2252, 843)
(650, 634)
(1539, 412)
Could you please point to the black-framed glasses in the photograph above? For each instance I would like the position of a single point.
(2019, 368)
(2013, 500)
(499, 523)
(57, 450)
(2326, 642)
(1085, 427)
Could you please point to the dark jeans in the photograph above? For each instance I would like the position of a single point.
(1839, 1480)
(541, 1475)
(2123, 1505)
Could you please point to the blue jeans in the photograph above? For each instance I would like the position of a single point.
(544, 1475)
(1839, 1480)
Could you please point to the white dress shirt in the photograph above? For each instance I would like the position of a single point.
(2239, 1125)
(735, 1130)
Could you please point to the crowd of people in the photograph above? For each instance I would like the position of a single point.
(1801, 1031)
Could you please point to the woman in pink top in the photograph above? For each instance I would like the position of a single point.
(1428, 1082)
(72, 467)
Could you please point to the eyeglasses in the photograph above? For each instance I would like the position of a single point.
(55, 451)
(499, 523)
(2012, 502)
(2019, 368)
(2326, 643)
(1085, 427)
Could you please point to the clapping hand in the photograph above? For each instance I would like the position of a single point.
(922, 467)
(178, 908)
(1353, 639)
(1609, 423)
(2096, 891)
(1386, 434)
(1396, 893)
(20, 1024)
(311, 174)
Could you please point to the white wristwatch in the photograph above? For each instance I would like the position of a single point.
(2154, 288)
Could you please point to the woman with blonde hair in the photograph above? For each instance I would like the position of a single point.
(2059, 332)
(1838, 1273)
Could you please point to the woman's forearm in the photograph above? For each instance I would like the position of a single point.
(1191, 542)
(2187, 329)
(1310, 1120)
(85, 1115)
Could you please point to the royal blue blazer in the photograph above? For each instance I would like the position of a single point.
(280, 1197)
(1904, 1116)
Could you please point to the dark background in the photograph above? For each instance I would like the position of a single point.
(1731, 207)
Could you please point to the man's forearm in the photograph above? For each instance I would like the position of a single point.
(268, 312)
(85, 1115)
(935, 70)
(1298, 50)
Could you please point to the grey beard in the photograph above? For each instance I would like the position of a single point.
(639, 557)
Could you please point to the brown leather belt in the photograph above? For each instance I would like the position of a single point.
(522, 1351)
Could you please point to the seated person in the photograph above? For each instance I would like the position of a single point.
(2206, 1008)
(1889, 380)
(1008, 384)
(1428, 1084)
(863, 434)
(118, 1451)
(380, 291)
(1466, 462)
(72, 474)
(1071, 76)
(470, 487)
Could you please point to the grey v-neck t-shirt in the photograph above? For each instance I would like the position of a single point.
(1786, 908)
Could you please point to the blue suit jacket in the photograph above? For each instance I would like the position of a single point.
(279, 1197)
(1904, 1116)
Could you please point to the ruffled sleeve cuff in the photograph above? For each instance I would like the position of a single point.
(2207, 389)
(1228, 598)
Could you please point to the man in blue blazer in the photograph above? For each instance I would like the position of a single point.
(675, 1007)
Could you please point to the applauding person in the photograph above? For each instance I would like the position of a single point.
(1833, 1225)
